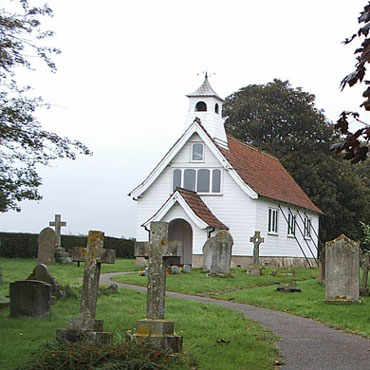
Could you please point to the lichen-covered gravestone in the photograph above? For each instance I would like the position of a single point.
(342, 256)
(155, 329)
(365, 265)
(86, 327)
(41, 273)
(46, 246)
(217, 254)
(257, 240)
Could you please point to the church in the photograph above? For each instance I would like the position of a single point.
(210, 181)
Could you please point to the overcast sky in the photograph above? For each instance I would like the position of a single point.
(125, 69)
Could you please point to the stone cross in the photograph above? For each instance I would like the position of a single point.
(93, 256)
(158, 251)
(256, 239)
(58, 224)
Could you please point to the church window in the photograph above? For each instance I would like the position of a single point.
(189, 179)
(197, 152)
(273, 221)
(307, 227)
(217, 109)
(291, 224)
(201, 107)
(176, 178)
(203, 181)
(216, 181)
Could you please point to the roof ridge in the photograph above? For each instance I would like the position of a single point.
(254, 148)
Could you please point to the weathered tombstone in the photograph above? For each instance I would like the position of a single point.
(175, 269)
(46, 246)
(365, 265)
(342, 270)
(155, 329)
(186, 269)
(41, 273)
(321, 277)
(86, 327)
(257, 240)
(217, 254)
(30, 298)
(61, 256)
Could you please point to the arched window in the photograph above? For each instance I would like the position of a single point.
(217, 109)
(201, 107)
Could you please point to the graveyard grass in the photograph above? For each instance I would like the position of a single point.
(261, 291)
(213, 336)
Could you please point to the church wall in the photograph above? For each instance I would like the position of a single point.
(283, 245)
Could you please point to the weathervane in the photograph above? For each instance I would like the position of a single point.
(206, 74)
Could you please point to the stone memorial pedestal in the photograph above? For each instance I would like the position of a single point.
(254, 270)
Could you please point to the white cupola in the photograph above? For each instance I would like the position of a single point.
(206, 105)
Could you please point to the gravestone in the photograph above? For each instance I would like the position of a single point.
(186, 269)
(155, 329)
(365, 265)
(41, 273)
(61, 256)
(257, 240)
(321, 277)
(86, 327)
(342, 270)
(175, 269)
(30, 298)
(46, 246)
(217, 254)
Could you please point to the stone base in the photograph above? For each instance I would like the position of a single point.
(254, 270)
(81, 335)
(341, 300)
(159, 333)
(290, 289)
(61, 256)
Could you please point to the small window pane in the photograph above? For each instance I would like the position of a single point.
(189, 180)
(203, 181)
(197, 154)
(176, 179)
(216, 181)
(273, 220)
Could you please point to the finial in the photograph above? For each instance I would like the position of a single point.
(205, 74)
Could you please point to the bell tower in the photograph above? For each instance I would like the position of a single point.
(206, 105)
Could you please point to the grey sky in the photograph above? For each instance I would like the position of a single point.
(125, 69)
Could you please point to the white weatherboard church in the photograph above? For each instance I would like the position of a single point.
(210, 181)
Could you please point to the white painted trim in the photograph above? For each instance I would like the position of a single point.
(176, 198)
(193, 128)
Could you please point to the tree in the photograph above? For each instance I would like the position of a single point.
(285, 122)
(23, 142)
(355, 145)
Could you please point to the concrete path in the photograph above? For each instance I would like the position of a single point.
(304, 345)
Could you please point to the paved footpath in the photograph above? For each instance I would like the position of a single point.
(304, 344)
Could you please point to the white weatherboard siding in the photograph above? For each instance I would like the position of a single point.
(282, 245)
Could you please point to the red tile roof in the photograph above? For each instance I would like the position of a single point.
(265, 174)
(200, 208)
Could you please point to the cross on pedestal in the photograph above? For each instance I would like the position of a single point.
(85, 326)
(58, 224)
(158, 251)
(256, 239)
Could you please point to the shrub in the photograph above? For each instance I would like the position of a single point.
(24, 245)
(86, 356)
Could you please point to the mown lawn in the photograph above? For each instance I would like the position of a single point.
(248, 345)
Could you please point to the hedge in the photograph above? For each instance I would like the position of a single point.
(24, 245)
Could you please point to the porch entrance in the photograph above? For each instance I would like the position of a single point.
(180, 230)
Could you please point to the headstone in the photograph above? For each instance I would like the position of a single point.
(321, 277)
(86, 327)
(217, 254)
(46, 246)
(342, 270)
(41, 273)
(257, 240)
(365, 265)
(30, 298)
(186, 269)
(155, 329)
(61, 256)
(175, 269)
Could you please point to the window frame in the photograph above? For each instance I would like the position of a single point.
(273, 221)
(192, 152)
(292, 219)
(211, 171)
(307, 225)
